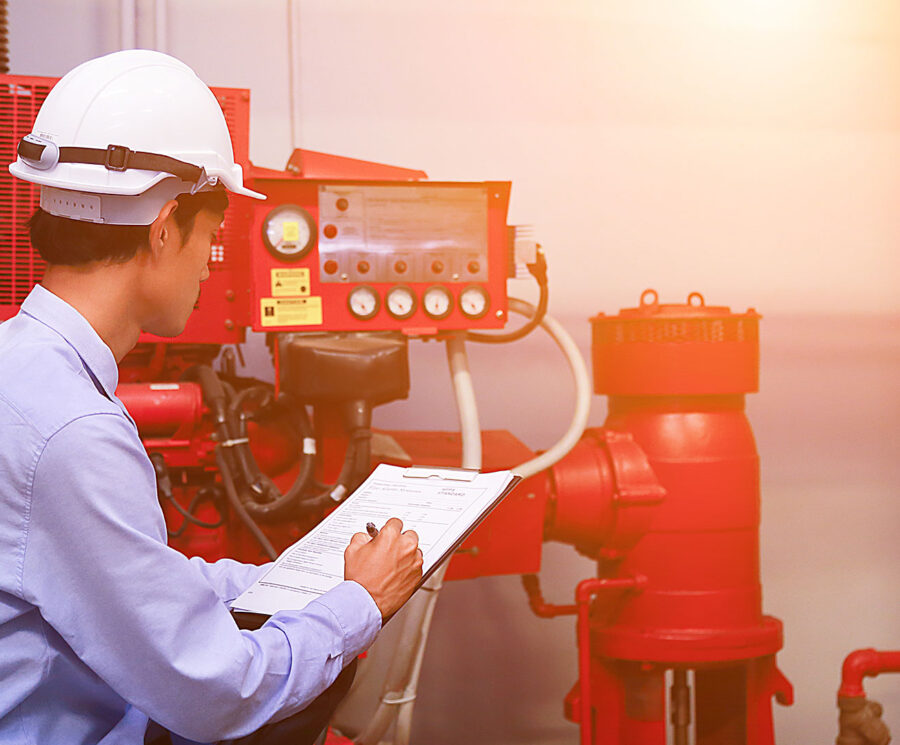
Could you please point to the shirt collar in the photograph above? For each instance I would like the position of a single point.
(57, 314)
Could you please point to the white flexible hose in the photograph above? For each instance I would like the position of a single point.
(418, 621)
(583, 392)
(470, 429)
(466, 406)
(471, 446)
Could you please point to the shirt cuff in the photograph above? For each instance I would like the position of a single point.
(356, 613)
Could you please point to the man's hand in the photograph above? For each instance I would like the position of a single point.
(389, 566)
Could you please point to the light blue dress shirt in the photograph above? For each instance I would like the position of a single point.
(102, 625)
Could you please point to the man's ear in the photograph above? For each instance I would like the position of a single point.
(160, 231)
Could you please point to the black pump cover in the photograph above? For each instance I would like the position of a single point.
(345, 368)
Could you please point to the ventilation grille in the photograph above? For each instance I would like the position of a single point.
(235, 106)
(20, 267)
(675, 330)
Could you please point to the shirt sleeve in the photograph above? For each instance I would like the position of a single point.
(150, 622)
(229, 578)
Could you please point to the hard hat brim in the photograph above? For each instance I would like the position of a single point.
(243, 190)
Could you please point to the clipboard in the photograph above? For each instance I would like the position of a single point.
(252, 621)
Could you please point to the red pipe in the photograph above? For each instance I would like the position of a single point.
(586, 589)
(865, 663)
(160, 410)
(538, 605)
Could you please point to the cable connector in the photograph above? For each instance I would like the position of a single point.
(399, 700)
(234, 442)
(525, 249)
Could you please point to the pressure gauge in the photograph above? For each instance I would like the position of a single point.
(474, 301)
(289, 232)
(437, 302)
(363, 302)
(401, 302)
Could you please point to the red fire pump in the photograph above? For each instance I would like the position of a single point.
(345, 263)
(666, 498)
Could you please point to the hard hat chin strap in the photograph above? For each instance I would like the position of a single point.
(34, 150)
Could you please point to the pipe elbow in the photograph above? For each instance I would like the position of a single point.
(587, 588)
(862, 663)
(856, 666)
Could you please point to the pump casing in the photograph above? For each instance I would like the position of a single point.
(676, 376)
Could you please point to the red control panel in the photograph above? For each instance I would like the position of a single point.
(414, 256)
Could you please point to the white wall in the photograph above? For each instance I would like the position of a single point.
(741, 147)
(746, 149)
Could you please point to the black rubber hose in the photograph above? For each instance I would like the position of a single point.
(216, 394)
(278, 504)
(213, 391)
(164, 491)
(215, 397)
(356, 459)
(538, 270)
(190, 518)
(353, 470)
(283, 504)
(235, 501)
(252, 474)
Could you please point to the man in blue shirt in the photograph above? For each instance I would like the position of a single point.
(103, 628)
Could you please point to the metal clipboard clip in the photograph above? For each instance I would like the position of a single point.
(441, 472)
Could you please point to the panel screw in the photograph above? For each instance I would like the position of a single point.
(229, 324)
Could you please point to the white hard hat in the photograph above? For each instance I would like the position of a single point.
(120, 135)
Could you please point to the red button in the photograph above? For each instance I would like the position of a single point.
(400, 267)
(342, 204)
(363, 267)
(437, 266)
(473, 267)
(330, 266)
(330, 231)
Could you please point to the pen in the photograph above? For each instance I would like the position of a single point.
(371, 529)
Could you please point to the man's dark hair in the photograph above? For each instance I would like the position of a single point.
(61, 240)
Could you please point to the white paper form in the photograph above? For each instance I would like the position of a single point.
(440, 510)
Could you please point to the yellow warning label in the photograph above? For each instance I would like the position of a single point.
(290, 282)
(290, 231)
(290, 311)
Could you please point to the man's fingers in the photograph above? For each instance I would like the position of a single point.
(411, 536)
(394, 525)
(358, 539)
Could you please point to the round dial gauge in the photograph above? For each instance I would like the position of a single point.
(474, 301)
(401, 302)
(363, 302)
(289, 232)
(437, 302)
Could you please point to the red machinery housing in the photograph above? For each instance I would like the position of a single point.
(665, 496)
(383, 230)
